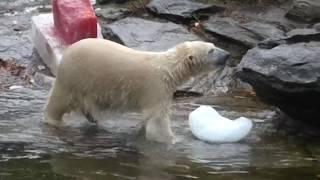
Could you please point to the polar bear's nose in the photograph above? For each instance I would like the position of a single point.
(221, 56)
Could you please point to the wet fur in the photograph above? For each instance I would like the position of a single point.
(97, 75)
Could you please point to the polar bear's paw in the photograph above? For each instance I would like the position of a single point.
(160, 135)
(161, 138)
(52, 122)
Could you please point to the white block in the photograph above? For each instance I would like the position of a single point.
(49, 46)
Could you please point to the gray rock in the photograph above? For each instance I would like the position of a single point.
(43, 80)
(144, 34)
(230, 29)
(316, 26)
(294, 36)
(20, 103)
(111, 1)
(286, 76)
(18, 48)
(264, 31)
(19, 5)
(301, 32)
(15, 44)
(306, 10)
(111, 13)
(182, 10)
(213, 83)
(248, 34)
(267, 13)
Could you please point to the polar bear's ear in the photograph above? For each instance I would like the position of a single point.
(189, 61)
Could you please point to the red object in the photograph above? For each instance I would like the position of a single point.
(74, 19)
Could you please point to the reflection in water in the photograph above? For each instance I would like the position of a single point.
(116, 149)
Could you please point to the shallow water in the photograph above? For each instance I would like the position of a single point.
(116, 148)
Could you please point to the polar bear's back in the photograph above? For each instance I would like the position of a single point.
(109, 71)
(101, 53)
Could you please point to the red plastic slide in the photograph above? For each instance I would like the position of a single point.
(74, 19)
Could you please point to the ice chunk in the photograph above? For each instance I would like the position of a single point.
(208, 125)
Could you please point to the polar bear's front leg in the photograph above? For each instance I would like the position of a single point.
(54, 113)
(158, 126)
(56, 106)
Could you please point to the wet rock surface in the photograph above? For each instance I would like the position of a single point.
(293, 36)
(286, 76)
(111, 1)
(213, 82)
(272, 13)
(182, 10)
(305, 10)
(149, 35)
(14, 38)
(112, 13)
(247, 34)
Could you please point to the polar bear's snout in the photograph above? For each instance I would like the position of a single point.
(219, 56)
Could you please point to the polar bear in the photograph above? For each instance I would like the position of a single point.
(97, 75)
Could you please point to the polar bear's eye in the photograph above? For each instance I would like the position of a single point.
(211, 51)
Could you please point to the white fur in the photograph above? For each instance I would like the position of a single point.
(97, 75)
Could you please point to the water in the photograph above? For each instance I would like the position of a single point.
(116, 149)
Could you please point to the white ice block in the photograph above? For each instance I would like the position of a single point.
(49, 46)
(208, 125)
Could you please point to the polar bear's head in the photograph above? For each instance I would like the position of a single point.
(207, 54)
(194, 57)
